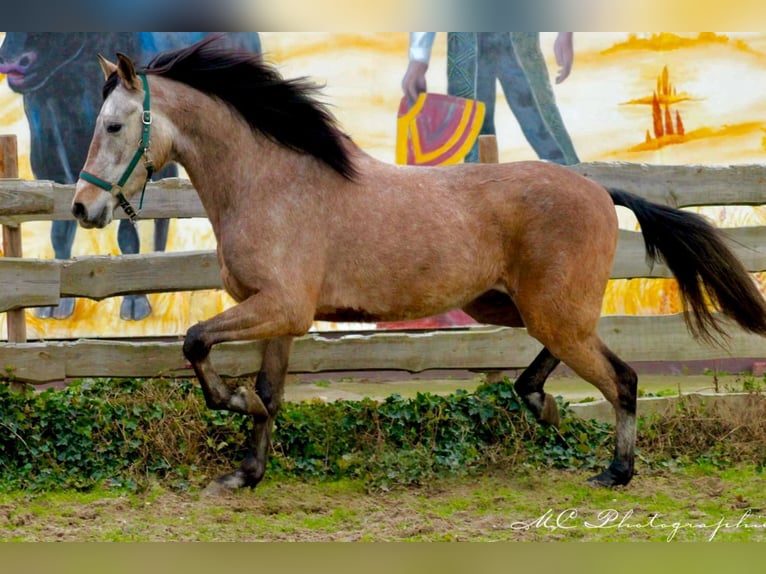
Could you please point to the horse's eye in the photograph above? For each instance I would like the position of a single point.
(113, 128)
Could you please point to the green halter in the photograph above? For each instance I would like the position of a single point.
(143, 151)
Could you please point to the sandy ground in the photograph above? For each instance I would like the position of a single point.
(494, 506)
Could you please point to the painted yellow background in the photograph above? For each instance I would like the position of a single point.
(718, 85)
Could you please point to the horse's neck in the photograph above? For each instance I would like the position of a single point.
(233, 168)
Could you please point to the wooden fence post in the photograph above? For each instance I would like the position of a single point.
(488, 149)
(9, 168)
(488, 153)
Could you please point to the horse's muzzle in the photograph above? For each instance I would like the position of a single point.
(88, 221)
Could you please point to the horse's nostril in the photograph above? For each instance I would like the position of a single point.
(78, 210)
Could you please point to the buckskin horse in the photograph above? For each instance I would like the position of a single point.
(309, 226)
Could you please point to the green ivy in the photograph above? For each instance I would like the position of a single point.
(124, 431)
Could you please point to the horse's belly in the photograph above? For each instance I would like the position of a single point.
(347, 315)
(350, 315)
(401, 302)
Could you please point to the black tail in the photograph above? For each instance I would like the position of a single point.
(704, 266)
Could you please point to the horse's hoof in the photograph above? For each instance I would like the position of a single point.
(550, 411)
(216, 489)
(610, 478)
(64, 310)
(245, 401)
(135, 308)
(226, 484)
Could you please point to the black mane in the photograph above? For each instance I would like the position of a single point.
(286, 111)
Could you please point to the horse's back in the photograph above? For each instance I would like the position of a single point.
(541, 196)
(551, 207)
(532, 197)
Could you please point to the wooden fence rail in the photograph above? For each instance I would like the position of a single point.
(31, 282)
(655, 338)
(677, 186)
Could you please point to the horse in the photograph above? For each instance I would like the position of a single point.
(50, 70)
(309, 226)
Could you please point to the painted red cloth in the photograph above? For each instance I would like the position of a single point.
(454, 318)
(437, 130)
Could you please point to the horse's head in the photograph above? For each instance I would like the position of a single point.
(118, 163)
(29, 59)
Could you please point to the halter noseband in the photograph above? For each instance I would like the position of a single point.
(143, 151)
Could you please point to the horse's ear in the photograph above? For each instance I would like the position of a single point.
(127, 72)
(106, 66)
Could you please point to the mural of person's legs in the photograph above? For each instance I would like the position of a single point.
(461, 64)
(486, 85)
(497, 60)
(526, 46)
(461, 72)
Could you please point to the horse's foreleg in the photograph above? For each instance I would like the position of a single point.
(261, 316)
(270, 388)
(258, 317)
(218, 395)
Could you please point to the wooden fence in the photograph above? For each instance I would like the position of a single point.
(32, 282)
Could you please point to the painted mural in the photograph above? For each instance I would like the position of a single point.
(662, 98)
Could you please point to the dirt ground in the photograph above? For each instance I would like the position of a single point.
(518, 505)
(502, 504)
(378, 385)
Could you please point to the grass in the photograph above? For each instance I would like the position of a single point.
(700, 477)
(519, 504)
(572, 388)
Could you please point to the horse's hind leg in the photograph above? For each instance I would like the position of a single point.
(566, 326)
(530, 385)
(497, 308)
(270, 388)
(620, 471)
(592, 360)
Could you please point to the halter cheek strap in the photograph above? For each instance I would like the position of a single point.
(142, 152)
